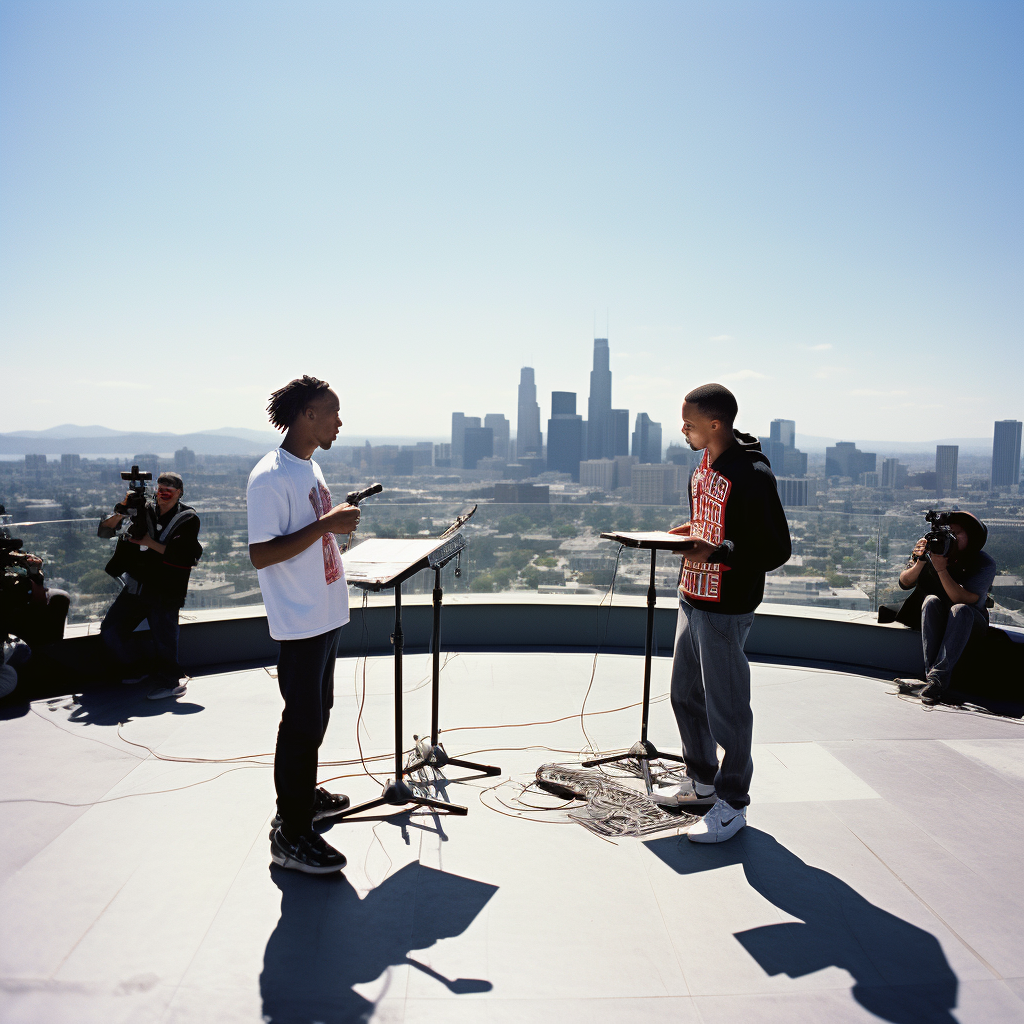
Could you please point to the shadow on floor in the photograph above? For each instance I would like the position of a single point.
(328, 939)
(900, 972)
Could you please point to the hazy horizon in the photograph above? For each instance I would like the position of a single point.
(817, 205)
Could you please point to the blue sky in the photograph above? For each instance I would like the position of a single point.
(818, 204)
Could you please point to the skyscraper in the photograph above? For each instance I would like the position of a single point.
(845, 459)
(784, 431)
(565, 435)
(458, 438)
(1006, 454)
(528, 441)
(646, 439)
(478, 444)
(500, 425)
(945, 470)
(619, 421)
(891, 475)
(775, 451)
(599, 406)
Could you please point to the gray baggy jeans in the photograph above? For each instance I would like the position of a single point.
(944, 633)
(711, 699)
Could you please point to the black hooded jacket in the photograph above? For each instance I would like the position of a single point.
(972, 568)
(734, 503)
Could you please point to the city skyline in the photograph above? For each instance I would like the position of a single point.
(816, 205)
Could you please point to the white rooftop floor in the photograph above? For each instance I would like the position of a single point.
(879, 878)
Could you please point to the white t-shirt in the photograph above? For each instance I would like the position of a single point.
(305, 595)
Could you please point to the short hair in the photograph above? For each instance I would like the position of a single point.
(287, 404)
(716, 401)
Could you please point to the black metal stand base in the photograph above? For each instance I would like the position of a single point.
(398, 794)
(643, 751)
(433, 755)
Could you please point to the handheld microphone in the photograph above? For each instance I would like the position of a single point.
(354, 497)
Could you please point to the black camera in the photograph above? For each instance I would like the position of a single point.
(14, 587)
(940, 539)
(133, 508)
(10, 547)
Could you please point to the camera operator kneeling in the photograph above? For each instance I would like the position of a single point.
(155, 569)
(948, 603)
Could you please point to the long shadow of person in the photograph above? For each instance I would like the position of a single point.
(900, 972)
(328, 939)
(117, 706)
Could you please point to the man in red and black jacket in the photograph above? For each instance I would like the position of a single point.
(739, 533)
(154, 571)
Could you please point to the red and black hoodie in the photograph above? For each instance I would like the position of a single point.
(734, 504)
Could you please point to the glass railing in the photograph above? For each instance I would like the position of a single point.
(840, 560)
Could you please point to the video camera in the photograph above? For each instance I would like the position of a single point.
(133, 508)
(940, 539)
(10, 547)
(14, 587)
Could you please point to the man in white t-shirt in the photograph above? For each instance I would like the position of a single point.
(292, 545)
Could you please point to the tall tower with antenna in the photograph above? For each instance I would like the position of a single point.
(600, 442)
(528, 440)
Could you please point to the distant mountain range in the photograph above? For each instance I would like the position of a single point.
(968, 445)
(70, 439)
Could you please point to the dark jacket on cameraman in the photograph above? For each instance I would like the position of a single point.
(161, 578)
(734, 502)
(972, 568)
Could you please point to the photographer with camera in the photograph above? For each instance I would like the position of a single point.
(950, 576)
(158, 544)
(29, 610)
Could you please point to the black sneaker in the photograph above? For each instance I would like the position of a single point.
(932, 694)
(310, 854)
(325, 805)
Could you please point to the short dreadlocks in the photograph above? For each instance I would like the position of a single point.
(287, 404)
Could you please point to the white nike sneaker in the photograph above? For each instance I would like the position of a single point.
(722, 822)
(687, 793)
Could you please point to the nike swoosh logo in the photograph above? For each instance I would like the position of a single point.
(730, 821)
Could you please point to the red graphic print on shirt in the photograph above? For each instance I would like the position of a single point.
(320, 499)
(710, 493)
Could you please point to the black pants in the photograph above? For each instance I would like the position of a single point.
(305, 674)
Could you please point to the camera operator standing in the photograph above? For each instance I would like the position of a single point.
(950, 576)
(153, 560)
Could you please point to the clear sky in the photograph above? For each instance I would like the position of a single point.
(818, 204)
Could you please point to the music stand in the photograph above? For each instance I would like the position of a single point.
(383, 564)
(644, 750)
(432, 753)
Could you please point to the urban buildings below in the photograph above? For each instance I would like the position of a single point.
(655, 483)
(845, 459)
(185, 460)
(598, 474)
(1006, 454)
(521, 494)
(793, 491)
